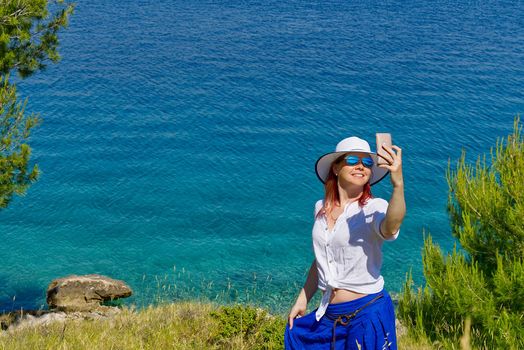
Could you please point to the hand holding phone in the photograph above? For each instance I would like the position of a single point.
(383, 139)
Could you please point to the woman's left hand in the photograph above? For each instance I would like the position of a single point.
(394, 165)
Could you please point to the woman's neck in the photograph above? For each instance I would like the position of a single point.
(350, 194)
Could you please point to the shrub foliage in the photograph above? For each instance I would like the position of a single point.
(483, 280)
(253, 325)
(28, 39)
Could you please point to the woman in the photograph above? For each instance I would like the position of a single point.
(350, 227)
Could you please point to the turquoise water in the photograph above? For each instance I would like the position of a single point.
(179, 138)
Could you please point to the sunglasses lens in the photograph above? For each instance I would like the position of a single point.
(352, 160)
(368, 162)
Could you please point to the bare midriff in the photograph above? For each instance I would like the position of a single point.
(343, 295)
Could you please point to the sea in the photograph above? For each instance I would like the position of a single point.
(179, 138)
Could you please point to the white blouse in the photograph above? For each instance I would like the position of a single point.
(350, 255)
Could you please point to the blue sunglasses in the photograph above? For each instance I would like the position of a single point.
(354, 160)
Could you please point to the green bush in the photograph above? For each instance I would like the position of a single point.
(254, 326)
(483, 281)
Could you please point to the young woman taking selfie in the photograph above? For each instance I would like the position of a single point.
(350, 226)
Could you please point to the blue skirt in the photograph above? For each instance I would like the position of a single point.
(373, 327)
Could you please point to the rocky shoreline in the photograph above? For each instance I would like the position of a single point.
(71, 298)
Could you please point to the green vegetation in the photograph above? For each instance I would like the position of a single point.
(170, 326)
(252, 325)
(28, 38)
(477, 290)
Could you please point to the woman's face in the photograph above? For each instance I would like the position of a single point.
(356, 174)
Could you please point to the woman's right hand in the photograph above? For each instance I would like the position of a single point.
(306, 293)
(298, 310)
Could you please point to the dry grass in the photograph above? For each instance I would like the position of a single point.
(173, 326)
(405, 342)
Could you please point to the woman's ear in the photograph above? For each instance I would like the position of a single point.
(336, 169)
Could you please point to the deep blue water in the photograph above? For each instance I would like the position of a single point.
(179, 137)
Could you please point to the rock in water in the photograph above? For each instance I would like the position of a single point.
(84, 293)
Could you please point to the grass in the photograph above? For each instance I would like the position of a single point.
(199, 323)
(185, 325)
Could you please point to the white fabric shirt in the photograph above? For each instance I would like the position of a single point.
(350, 255)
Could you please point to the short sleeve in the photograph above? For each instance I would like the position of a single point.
(380, 207)
(318, 205)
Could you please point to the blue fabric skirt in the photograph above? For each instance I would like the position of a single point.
(373, 327)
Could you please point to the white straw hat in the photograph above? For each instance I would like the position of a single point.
(351, 144)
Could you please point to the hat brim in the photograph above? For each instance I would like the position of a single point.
(324, 163)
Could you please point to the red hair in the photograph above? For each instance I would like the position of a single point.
(332, 196)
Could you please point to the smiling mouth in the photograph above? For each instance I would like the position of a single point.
(358, 175)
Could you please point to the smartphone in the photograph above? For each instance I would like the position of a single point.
(382, 139)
